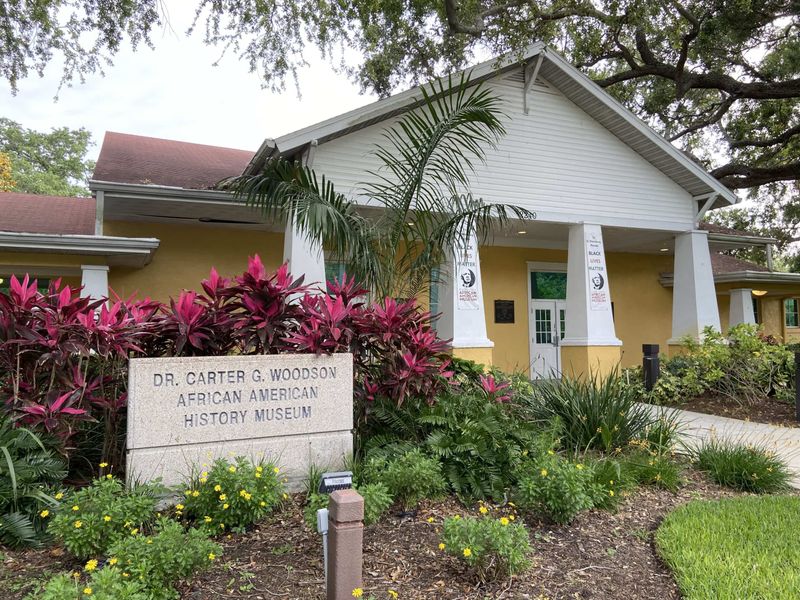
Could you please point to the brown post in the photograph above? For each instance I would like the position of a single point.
(345, 538)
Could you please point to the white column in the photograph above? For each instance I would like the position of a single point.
(741, 308)
(94, 280)
(461, 299)
(694, 298)
(590, 321)
(305, 257)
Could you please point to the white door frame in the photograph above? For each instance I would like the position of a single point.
(547, 267)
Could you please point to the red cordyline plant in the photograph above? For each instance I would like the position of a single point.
(64, 358)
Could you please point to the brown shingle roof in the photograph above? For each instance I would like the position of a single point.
(29, 213)
(722, 263)
(126, 158)
(714, 228)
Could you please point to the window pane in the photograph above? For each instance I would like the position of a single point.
(543, 326)
(548, 286)
(790, 311)
(42, 283)
(755, 310)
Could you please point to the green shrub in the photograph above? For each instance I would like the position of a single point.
(610, 483)
(161, 559)
(734, 549)
(743, 467)
(409, 477)
(651, 468)
(105, 584)
(232, 495)
(661, 435)
(491, 547)
(480, 443)
(89, 520)
(557, 487)
(377, 501)
(594, 412)
(27, 468)
(743, 367)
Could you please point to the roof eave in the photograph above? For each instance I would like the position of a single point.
(136, 252)
(763, 277)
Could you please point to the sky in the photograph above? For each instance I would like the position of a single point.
(175, 92)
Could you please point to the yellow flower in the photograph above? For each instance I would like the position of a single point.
(195, 494)
(203, 479)
(467, 552)
(243, 493)
(511, 517)
(134, 531)
(78, 524)
(211, 556)
(262, 503)
(579, 466)
(483, 510)
(543, 472)
(551, 452)
(430, 519)
(189, 492)
(126, 574)
(504, 521)
(107, 518)
(109, 476)
(76, 575)
(392, 594)
(285, 496)
(456, 517)
(358, 592)
(44, 514)
(441, 546)
(103, 465)
(218, 488)
(258, 475)
(207, 519)
(76, 508)
(91, 565)
(113, 560)
(127, 524)
(222, 497)
(511, 504)
(232, 469)
(149, 541)
(611, 493)
(259, 469)
(87, 591)
(276, 470)
(222, 525)
(225, 506)
(179, 506)
(59, 496)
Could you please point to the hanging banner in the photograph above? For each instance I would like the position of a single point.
(599, 298)
(467, 279)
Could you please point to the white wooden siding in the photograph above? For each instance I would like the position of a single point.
(556, 160)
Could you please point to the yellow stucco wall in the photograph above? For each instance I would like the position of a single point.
(642, 306)
(47, 265)
(186, 255)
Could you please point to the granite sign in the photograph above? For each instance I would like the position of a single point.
(293, 409)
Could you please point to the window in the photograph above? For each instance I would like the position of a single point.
(790, 312)
(548, 286)
(543, 324)
(756, 311)
(433, 296)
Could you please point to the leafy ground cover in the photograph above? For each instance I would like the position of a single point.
(734, 548)
(600, 554)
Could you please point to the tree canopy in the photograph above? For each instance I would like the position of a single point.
(52, 163)
(721, 78)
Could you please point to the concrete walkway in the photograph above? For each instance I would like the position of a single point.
(784, 441)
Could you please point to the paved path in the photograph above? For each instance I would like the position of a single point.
(784, 441)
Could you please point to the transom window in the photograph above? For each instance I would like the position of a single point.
(548, 286)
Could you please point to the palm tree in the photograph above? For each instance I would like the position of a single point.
(421, 189)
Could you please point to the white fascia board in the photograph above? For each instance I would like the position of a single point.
(741, 240)
(634, 121)
(137, 190)
(397, 103)
(744, 276)
(136, 251)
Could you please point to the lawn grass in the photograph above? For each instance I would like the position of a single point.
(734, 549)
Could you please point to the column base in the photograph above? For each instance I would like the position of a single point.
(586, 361)
(482, 356)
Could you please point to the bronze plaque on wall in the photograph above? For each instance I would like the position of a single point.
(503, 311)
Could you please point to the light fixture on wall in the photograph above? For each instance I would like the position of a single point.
(663, 249)
(759, 293)
(521, 232)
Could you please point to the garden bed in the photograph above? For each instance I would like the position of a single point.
(763, 410)
(600, 555)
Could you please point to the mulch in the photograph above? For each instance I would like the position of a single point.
(764, 410)
(600, 555)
